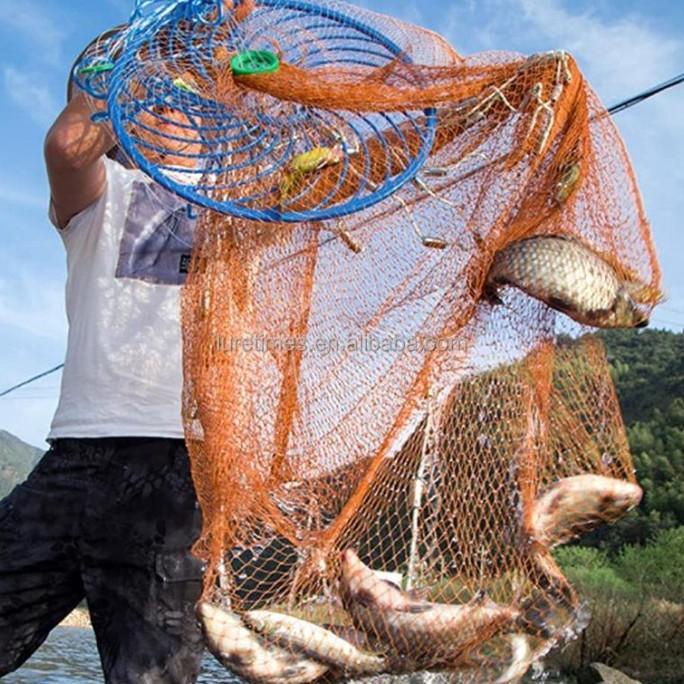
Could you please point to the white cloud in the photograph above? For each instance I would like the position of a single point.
(624, 55)
(44, 36)
(31, 94)
(621, 55)
(409, 10)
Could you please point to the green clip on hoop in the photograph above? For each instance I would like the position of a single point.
(100, 68)
(254, 62)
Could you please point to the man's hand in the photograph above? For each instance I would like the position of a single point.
(74, 147)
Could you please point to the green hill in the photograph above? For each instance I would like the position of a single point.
(648, 369)
(16, 461)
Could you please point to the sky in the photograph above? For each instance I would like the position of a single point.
(621, 46)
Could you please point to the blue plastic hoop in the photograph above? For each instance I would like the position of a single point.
(123, 112)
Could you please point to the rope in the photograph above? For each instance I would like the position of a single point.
(625, 104)
(30, 380)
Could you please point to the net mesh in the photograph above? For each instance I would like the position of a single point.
(359, 405)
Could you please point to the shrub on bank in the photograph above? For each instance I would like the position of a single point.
(636, 602)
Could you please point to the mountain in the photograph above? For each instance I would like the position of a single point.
(16, 461)
(648, 369)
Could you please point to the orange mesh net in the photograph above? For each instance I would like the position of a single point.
(361, 403)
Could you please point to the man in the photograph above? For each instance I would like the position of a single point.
(110, 512)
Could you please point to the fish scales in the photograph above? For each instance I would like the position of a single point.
(249, 655)
(577, 504)
(428, 632)
(558, 269)
(571, 278)
(316, 641)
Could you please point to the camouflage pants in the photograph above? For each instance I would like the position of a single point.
(111, 520)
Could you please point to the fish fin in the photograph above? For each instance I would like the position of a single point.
(415, 608)
(553, 582)
(535, 615)
(644, 293)
(600, 314)
(237, 660)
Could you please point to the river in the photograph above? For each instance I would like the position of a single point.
(69, 656)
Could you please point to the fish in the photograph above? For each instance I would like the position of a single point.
(569, 277)
(249, 655)
(305, 163)
(315, 159)
(568, 181)
(522, 656)
(427, 633)
(315, 641)
(540, 613)
(186, 84)
(359, 583)
(576, 505)
(558, 601)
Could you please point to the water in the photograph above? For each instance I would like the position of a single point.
(69, 656)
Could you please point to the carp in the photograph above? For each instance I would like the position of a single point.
(315, 641)
(578, 504)
(249, 655)
(569, 277)
(427, 633)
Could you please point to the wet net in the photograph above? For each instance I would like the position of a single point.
(390, 423)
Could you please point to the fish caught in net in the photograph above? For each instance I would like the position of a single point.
(390, 420)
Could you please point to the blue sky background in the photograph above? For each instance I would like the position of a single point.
(622, 46)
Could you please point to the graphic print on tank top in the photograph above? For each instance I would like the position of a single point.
(157, 237)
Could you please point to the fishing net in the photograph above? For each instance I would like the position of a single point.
(358, 403)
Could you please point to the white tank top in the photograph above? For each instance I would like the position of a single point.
(127, 255)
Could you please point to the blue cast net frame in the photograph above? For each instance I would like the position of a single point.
(249, 147)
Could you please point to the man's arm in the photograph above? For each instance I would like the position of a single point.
(74, 147)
